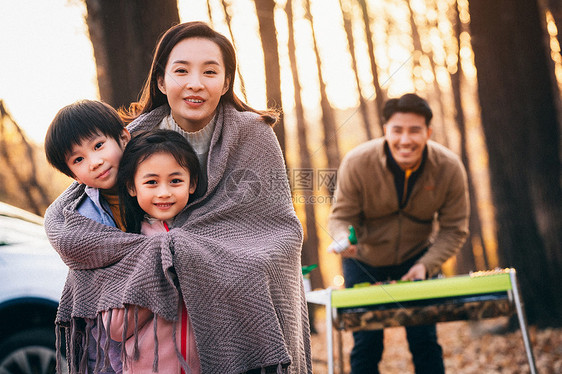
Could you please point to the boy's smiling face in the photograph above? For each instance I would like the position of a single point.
(95, 161)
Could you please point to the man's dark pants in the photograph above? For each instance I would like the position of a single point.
(367, 351)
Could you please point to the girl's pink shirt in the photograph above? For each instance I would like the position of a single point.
(168, 361)
(167, 358)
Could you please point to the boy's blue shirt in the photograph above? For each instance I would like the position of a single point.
(96, 208)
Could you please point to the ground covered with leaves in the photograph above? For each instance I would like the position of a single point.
(482, 347)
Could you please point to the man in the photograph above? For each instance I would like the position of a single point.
(392, 190)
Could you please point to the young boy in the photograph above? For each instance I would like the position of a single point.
(85, 141)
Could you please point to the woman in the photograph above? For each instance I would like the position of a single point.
(236, 255)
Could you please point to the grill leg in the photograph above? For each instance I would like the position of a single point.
(340, 350)
(329, 336)
(522, 322)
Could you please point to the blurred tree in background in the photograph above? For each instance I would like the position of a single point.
(27, 179)
(519, 100)
(124, 35)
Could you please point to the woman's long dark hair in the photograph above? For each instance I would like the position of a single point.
(151, 96)
(142, 146)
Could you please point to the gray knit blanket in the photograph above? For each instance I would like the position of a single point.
(236, 253)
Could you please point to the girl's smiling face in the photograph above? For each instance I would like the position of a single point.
(194, 81)
(162, 186)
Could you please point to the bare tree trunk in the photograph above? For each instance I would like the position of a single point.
(518, 100)
(465, 258)
(25, 177)
(328, 120)
(210, 13)
(124, 34)
(439, 133)
(228, 18)
(439, 98)
(268, 34)
(310, 247)
(311, 242)
(351, 45)
(380, 97)
(416, 41)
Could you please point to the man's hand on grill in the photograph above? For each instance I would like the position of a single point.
(416, 272)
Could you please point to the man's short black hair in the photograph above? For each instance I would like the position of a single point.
(408, 103)
(78, 122)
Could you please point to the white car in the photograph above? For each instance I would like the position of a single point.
(32, 277)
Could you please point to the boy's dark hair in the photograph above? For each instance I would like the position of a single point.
(408, 103)
(144, 144)
(78, 122)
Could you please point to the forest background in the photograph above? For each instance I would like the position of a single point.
(491, 70)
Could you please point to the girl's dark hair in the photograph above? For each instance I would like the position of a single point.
(78, 122)
(143, 145)
(408, 103)
(151, 96)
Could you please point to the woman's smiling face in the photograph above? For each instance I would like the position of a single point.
(194, 81)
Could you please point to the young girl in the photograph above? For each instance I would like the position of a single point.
(236, 251)
(158, 174)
